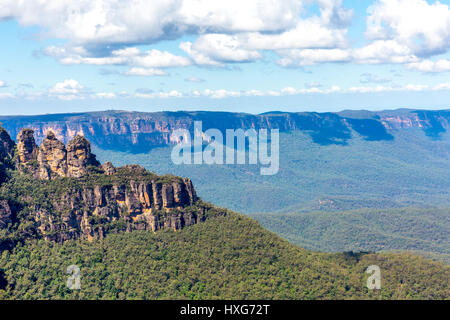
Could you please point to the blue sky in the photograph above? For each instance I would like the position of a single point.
(256, 56)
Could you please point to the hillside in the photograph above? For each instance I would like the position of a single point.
(226, 257)
(136, 235)
(423, 231)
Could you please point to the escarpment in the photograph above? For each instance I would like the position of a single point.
(140, 131)
(64, 193)
(118, 204)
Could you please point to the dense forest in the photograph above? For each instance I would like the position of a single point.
(423, 231)
(229, 256)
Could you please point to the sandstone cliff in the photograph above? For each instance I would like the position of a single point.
(91, 211)
(140, 131)
(6, 145)
(71, 195)
(26, 147)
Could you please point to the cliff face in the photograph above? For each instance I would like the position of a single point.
(91, 212)
(6, 145)
(26, 147)
(73, 196)
(139, 131)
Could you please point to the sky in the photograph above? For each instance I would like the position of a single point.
(248, 56)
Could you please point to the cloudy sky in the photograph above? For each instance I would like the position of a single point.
(250, 56)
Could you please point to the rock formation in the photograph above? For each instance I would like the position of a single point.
(88, 213)
(26, 146)
(108, 168)
(106, 199)
(6, 145)
(52, 158)
(79, 157)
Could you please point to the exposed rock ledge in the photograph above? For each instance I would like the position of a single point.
(84, 199)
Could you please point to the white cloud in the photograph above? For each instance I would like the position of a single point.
(402, 32)
(161, 94)
(142, 63)
(214, 49)
(2, 84)
(240, 16)
(295, 57)
(197, 56)
(159, 59)
(141, 21)
(308, 33)
(377, 52)
(222, 93)
(326, 31)
(67, 86)
(431, 66)
(71, 90)
(289, 90)
(380, 88)
(104, 95)
(421, 26)
(6, 95)
(145, 72)
(442, 86)
(384, 51)
(68, 89)
(108, 32)
(194, 80)
(229, 31)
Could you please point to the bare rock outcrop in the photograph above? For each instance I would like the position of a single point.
(52, 158)
(108, 168)
(27, 149)
(107, 198)
(139, 205)
(7, 145)
(79, 157)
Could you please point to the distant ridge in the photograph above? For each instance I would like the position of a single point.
(141, 131)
